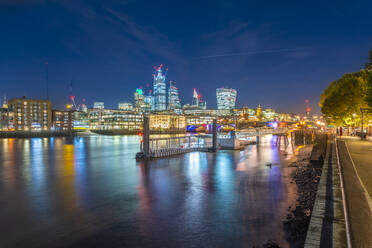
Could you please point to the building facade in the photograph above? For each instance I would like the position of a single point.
(125, 106)
(269, 115)
(174, 103)
(114, 119)
(141, 102)
(81, 120)
(226, 98)
(4, 118)
(167, 122)
(62, 120)
(149, 100)
(159, 89)
(99, 105)
(30, 114)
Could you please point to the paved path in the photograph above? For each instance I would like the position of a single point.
(361, 153)
(356, 162)
(327, 226)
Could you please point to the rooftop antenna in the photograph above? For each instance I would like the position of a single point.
(47, 80)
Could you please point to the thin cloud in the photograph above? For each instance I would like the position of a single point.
(252, 53)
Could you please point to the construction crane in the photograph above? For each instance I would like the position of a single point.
(71, 104)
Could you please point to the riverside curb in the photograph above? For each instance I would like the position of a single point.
(327, 224)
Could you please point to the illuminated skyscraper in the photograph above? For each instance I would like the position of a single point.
(226, 98)
(197, 101)
(160, 91)
(173, 98)
(139, 101)
(149, 100)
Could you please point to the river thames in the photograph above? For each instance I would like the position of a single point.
(89, 191)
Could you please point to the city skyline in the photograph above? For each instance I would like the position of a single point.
(162, 95)
(108, 48)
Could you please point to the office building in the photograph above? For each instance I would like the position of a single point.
(159, 92)
(169, 122)
(141, 102)
(226, 98)
(99, 105)
(114, 119)
(149, 101)
(81, 120)
(197, 102)
(125, 106)
(173, 98)
(62, 120)
(4, 118)
(30, 114)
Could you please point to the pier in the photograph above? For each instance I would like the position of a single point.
(152, 148)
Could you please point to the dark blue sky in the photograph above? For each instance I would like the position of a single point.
(108, 48)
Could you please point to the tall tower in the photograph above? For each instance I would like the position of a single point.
(160, 90)
(173, 97)
(141, 103)
(195, 99)
(226, 98)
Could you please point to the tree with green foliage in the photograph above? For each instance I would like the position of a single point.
(369, 80)
(342, 100)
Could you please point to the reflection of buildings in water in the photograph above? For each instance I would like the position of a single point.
(209, 177)
(263, 191)
(67, 180)
(146, 207)
(143, 188)
(9, 169)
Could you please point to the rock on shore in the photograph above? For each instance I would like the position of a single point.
(306, 176)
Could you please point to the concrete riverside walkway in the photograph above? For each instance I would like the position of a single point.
(327, 224)
(356, 161)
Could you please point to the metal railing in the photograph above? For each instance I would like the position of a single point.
(167, 146)
(259, 131)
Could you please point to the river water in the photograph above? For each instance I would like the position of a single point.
(90, 192)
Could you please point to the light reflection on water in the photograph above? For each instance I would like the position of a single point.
(90, 191)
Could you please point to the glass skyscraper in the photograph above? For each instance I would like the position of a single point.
(160, 90)
(226, 98)
(173, 98)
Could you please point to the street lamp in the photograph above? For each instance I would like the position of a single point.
(362, 110)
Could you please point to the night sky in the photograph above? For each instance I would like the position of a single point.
(276, 53)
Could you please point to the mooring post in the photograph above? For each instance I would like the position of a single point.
(146, 136)
(214, 130)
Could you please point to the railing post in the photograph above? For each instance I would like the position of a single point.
(214, 130)
(146, 136)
